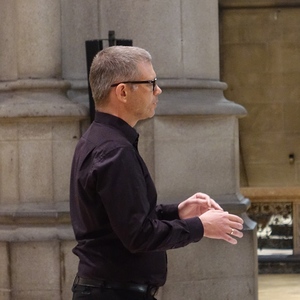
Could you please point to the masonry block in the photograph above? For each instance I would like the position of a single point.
(35, 269)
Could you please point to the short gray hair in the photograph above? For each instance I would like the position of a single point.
(112, 65)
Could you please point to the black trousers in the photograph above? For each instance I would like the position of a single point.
(81, 292)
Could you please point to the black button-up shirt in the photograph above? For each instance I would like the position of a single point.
(122, 233)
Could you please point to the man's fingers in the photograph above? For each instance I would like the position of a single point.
(235, 218)
(222, 225)
(229, 237)
(230, 240)
(235, 225)
(236, 233)
(215, 205)
(202, 196)
(211, 203)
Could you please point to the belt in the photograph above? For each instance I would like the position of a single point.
(134, 287)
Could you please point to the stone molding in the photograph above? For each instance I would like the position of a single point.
(35, 222)
(267, 193)
(31, 233)
(33, 84)
(38, 98)
(190, 83)
(258, 3)
(183, 96)
(196, 97)
(237, 204)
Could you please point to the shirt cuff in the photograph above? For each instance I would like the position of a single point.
(196, 228)
(167, 212)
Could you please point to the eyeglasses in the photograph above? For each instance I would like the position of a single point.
(153, 82)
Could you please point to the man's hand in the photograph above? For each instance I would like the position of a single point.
(197, 205)
(222, 225)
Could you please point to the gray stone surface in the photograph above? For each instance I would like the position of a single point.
(205, 271)
(80, 22)
(191, 145)
(35, 268)
(8, 47)
(38, 33)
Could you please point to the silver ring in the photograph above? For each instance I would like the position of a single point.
(232, 231)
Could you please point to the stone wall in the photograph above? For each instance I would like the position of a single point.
(260, 61)
(38, 270)
(191, 145)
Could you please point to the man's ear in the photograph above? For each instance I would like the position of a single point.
(121, 92)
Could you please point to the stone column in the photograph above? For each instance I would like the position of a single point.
(39, 127)
(192, 143)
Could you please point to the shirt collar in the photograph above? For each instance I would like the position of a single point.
(110, 120)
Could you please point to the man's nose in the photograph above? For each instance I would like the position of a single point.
(157, 90)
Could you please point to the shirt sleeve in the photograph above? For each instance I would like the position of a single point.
(123, 188)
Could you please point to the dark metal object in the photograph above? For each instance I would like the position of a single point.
(92, 47)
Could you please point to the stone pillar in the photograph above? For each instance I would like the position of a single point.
(80, 22)
(39, 128)
(190, 145)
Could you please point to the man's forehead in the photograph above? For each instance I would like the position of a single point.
(146, 69)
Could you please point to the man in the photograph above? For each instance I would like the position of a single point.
(122, 233)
